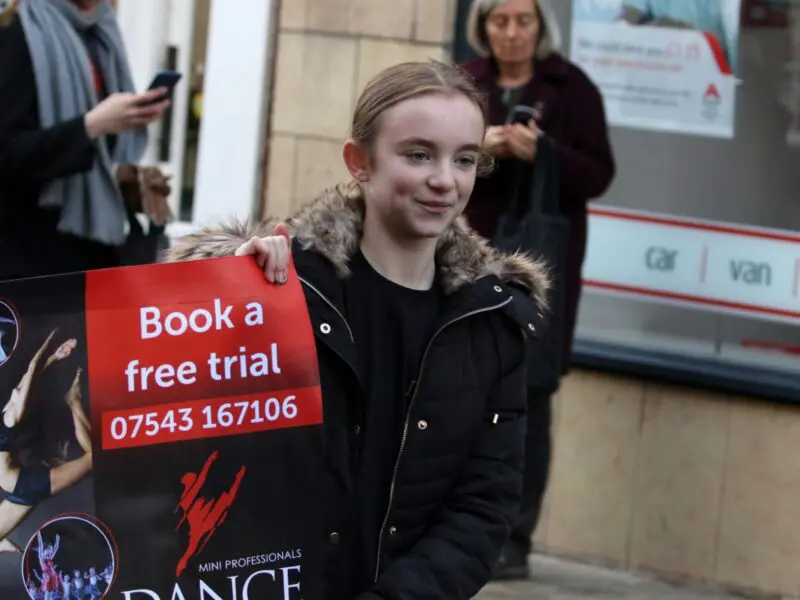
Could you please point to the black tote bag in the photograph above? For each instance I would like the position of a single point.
(143, 247)
(533, 224)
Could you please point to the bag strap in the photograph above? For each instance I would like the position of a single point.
(542, 197)
(545, 189)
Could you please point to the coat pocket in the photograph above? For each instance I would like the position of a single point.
(496, 417)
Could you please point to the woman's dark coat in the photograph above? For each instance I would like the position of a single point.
(30, 158)
(572, 116)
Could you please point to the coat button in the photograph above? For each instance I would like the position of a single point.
(357, 429)
(498, 289)
(532, 327)
(392, 530)
(325, 328)
(334, 538)
(423, 425)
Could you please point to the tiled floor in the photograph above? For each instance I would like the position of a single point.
(556, 579)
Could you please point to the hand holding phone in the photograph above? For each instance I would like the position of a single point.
(521, 114)
(167, 80)
(123, 111)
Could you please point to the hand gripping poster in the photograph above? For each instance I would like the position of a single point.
(160, 436)
(662, 65)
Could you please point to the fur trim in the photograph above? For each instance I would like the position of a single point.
(331, 225)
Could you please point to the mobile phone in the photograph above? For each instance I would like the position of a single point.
(520, 114)
(165, 79)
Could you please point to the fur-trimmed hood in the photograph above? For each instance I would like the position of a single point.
(331, 225)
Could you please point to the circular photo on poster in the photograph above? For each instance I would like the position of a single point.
(71, 556)
(9, 331)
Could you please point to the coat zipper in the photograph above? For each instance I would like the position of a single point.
(408, 419)
(332, 305)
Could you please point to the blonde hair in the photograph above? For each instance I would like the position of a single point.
(409, 80)
(549, 30)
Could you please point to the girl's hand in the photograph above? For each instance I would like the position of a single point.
(271, 252)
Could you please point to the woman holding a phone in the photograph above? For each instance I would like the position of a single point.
(69, 117)
(534, 91)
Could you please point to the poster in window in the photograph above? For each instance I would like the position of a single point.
(160, 435)
(661, 65)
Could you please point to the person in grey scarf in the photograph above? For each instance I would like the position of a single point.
(69, 117)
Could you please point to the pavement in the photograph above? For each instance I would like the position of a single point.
(557, 579)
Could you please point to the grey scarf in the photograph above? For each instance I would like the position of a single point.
(59, 37)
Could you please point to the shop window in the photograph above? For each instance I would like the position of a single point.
(693, 259)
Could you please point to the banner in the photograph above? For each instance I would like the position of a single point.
(662, 65)
(161, 436)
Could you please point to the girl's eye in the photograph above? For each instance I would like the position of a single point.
(418, 156)
(467, 161)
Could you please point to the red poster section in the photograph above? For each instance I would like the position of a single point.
(196, 350)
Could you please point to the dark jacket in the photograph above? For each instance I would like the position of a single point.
(573, 117)
(30, 158)
(458, 474)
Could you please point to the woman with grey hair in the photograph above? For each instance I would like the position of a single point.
(533, 91)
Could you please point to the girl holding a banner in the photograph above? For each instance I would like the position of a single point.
(417, 323)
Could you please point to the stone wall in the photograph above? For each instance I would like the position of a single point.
(327, 51)
(692, 484)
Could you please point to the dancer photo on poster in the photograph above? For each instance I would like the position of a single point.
(71, 556)
(29, 483)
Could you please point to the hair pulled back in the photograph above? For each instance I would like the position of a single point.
(409, 80)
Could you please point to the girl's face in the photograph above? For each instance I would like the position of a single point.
(420, 172)
(513, 30)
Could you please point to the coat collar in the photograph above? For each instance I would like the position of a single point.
(331, 227)
(475, 277)
(326, 234)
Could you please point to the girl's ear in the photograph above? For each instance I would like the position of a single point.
(356, 160)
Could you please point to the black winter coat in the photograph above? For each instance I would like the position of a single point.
(31, 158)
(458, 476)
